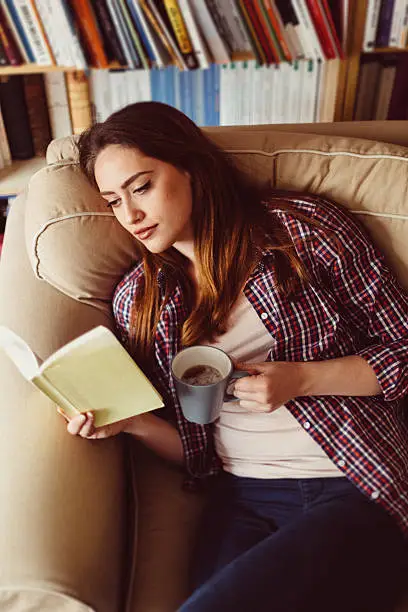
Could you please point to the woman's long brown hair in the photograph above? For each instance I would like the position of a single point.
(230, 220)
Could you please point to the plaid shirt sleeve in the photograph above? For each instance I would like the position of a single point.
(369, 294)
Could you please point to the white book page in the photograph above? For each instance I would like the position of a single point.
(19, 352)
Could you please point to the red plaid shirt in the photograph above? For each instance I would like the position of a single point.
(353, 306)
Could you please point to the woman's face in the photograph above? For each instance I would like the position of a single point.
(150, 198)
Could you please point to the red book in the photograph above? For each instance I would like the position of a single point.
(333, 30)
(322, 29)
(270, 53)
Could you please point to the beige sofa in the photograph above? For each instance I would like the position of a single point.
(103, 525)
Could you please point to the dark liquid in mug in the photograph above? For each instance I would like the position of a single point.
(202, 375)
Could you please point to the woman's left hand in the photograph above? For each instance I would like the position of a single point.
(269, 385)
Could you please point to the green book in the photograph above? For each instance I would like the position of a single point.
(93, 372)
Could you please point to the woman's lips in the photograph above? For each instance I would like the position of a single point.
(146, 233)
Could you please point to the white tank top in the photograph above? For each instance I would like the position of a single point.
(262, 445)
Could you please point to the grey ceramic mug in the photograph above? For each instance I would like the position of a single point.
(202, 403)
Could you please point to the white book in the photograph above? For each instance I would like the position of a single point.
(371, 23)
(404, 33)
(70, 47)
(294, 91)
(47, 10)
(100, 94)
(33, 32)
(199, 45)
(159, 57)
(137, 84)
(309, 90)
(4, 145)
(256, 87)
(219, 50)
(118, 89)
(310, 39)
(277, 105)
(397, 24)
(58, 106)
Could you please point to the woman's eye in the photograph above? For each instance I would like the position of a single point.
(143, 188)
(113, 203)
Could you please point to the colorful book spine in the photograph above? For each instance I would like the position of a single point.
(181, 33)
(384, 23)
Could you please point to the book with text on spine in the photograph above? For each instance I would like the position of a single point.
(94, 372)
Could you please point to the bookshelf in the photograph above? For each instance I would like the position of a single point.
(15, 177)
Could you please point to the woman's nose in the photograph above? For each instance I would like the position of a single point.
(132, 213)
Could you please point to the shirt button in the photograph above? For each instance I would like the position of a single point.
(306, 425)
(341, 463)
(375, 495)
(264, 315)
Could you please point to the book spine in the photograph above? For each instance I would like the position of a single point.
(310, 38)
(79, 101)
(71, 41)
(319, 22)
(264, 18)
(10, 47)
(384, 23)
(199, 45)
(371, 24)
(112, 43)
(88, 26)
(397, 23)
(141, 59)
(277, 25)
(57, 103)
(252, 34)
(33, 32)
(142, 29)
(218, 48)
(36, 100)
(159, 12)
(234, 27)
(14, 19)
(4, 145)
(166, 51)
(331, 27)
(15, 116)
(50, 21)
(3, 57)
(265, 33)
(221, 25)
(136, 61)
(56, 396)
(181, 33)
(112, 8)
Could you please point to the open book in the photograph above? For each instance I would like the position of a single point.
(92, 372)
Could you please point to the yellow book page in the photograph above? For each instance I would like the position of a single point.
(100, 375)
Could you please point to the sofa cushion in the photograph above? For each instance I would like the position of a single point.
(75, 243)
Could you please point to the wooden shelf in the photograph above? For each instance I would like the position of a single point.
(387, 50)
(14, 178)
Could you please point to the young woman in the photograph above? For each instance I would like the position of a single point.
(308, 504)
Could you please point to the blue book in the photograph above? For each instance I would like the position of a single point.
(140, 29)
(215, 68)
(20, 29)
(155, 84)
(384, 23)
(208, 88)
(186, 93)
(170, 92)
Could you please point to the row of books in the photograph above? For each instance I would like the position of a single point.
(37, 108)
(382, 88)
(144, 34)
(386, 24)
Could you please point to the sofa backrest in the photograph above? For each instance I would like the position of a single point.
(75, 243)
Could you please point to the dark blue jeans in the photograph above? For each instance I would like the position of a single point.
(310, 545)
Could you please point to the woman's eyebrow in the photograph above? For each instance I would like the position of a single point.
(128, 181)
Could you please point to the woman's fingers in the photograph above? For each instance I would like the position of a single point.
(82, 424)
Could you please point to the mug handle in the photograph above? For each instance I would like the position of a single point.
(228, 397)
